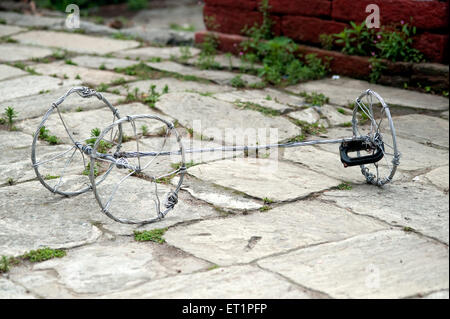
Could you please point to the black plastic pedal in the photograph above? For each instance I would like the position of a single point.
(359, 145)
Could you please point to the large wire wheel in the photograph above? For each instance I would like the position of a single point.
(141, 179)
(60, 148)
(372, 118)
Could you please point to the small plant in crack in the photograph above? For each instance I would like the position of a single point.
(44, 135)
(344, 186)
(103, 146)
(43, 254)
(10, 115)
(314, 98)
(150, 235)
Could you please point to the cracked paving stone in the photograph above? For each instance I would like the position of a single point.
(10, 290)
(6, 30)
(95, 62)
(413, 156)
(27, 20)
(253, 96)
(412, 127)
(8, 72)
(225, 122)
(174, 85)
(217, 196)
(31, 218)
(276, 180)
(346, 90)
(220, 77)
(244, 281)
(333, 116)
(88, 76)
(10, 52)
(283, 228)
(421, 207)
(31, 85)
(106, 267)
(227, 62)
(15, 158)
(80, 124)
(324, 162)
(79, 43)
(385, 264)
(439, 177)
(37, 105)
(156, 52)
(309, 115)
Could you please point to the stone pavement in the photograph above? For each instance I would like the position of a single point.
(283, 225)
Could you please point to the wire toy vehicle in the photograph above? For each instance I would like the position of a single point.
(373, 141)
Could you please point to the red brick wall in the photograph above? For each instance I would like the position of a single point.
(305, 20)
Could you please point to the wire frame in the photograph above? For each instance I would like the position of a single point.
(122, 161)
(75, 147)
(372, 117)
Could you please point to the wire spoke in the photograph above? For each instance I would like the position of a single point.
(55, 157)
(64, 170)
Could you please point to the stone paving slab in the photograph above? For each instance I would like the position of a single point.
(10, 290)
(346, 90)
(10, 52)
(308, 115)
(325, 163)
(81, 123)
(385, 264)
(245, 238)
(444, 115)
(220, 77)
(173, 84)
(79, 43)
(95, 62)
(87, 76)
(420, 207)
(411, 126)
(439, 177)
(333, 116)
(8, 72)
(236, 282)
(113, 266)
(227, 62)
(414, 156)
(31, 217)
(6, 30)
(37, 105)
(15, 158)
(223, 121)
(87, 27)
(31, 85)
(218, 196)
(261, 178)
(163, 36)
(26, 20)
(156, 52)
(438, 295)
(253, 96)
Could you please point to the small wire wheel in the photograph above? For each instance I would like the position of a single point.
(372, 118)
(141, 183)
(61, 144)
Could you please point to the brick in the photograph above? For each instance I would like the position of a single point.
(342, 64)
(231, 20)
(301, 7)
(308, 29)
(227, 42)
(433, 46)
(426, 15)
(243, 4)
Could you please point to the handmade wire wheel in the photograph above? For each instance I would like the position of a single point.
(67, 156)
(372, 118)
(152, 155)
